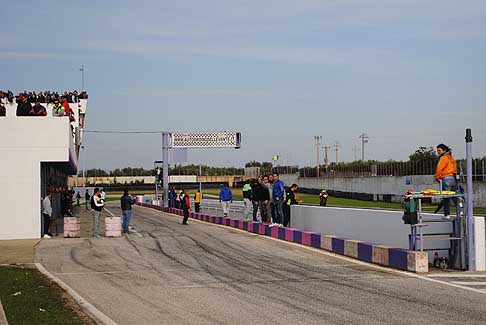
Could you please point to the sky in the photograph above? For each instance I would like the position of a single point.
(407, 73)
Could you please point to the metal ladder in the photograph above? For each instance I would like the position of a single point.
(456, 238)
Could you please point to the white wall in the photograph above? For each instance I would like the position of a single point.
(24, 143)
(379, 185)
(374, 226)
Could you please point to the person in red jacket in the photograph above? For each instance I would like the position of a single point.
(67, 110)
(186, 206)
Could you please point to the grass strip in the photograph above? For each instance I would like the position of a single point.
(28, 297)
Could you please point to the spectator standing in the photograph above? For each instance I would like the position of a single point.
(290, 199)
(86, 197)
(78, 197)
(57, 109)
(178, 200)
(254, 197)
(3, 110)
(126, 203)
(260, 198)
(265, 200)
(38, 109)
(247, 197)
(271, 204)
(225, 198)
(97, 205)
(186, 206)
(47, 215)
(446, 175)
(197, 201)
(67, 110)
(23, 106)
(172, 197)
(278, 197)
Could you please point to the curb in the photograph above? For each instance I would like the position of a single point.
(3, 317)
(396, 258)
(92, 311)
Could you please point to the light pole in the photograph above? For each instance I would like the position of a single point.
(200, 175)
(84, 168)
(82, 77)
(318, 139)
(364, 139)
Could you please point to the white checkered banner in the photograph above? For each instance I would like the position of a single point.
(219, 139)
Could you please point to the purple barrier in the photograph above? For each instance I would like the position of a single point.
(253, 227)
(365, 252)
(338, 245)
(398, 258)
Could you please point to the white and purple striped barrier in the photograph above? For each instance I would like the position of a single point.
(372, 253)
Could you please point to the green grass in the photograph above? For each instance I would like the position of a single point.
(39, 301)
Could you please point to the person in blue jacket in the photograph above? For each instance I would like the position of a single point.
(278, 198)
(225, 197)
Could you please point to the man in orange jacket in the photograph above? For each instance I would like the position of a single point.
(446, 174)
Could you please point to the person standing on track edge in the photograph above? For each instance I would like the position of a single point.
(126, 202)
(445, 174)
(86, 198)
(186, 206)
(278, 197)
(97, 206)
(197, 201)
(225, 197)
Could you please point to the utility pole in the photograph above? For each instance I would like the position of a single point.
(364, 139)
(326, 160)
(318, 139)
(336, 148)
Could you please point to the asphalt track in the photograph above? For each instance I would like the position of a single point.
(168, 273)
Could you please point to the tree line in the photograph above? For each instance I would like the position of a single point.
(421, 162)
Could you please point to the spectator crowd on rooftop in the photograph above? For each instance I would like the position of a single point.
(30, 103)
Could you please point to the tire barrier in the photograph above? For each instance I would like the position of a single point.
(397, 258)
(113, 227)
(72, 227)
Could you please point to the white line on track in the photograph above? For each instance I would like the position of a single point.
(456, 275)
(469, 283)
(344, 258)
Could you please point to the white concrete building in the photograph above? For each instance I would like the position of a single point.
(36, 153)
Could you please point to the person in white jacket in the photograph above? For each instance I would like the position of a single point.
(47, 215)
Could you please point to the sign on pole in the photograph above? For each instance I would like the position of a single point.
(220, 139)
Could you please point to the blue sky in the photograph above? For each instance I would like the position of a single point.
(408, 73)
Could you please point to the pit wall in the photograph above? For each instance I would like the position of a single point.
(379, 187)
(398, 258)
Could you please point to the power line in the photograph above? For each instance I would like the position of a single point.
(123, 132)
